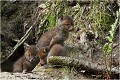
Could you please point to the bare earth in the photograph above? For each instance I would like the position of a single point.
(40, 73)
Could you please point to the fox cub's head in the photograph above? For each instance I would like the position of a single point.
(66, 23)
(31, 54)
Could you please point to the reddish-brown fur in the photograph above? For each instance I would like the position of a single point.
(56, 50)
(57, 35)
(28, 61)
(43, 55)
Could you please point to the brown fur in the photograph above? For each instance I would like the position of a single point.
(28, 61)
(57, 35)
(56, 50)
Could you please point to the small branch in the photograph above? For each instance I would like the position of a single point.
(25, 44)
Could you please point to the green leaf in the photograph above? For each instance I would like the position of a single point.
(109, 48)
(111, 33)
(105, 48)
(110, 38)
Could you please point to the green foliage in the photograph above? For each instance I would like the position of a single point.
(94, 17)
(100, 18)
(108, 47)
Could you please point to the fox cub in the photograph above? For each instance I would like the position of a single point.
(57, 35)
(28, 61)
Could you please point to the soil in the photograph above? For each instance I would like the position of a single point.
(41, 73)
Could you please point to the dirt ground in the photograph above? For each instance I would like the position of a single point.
(40, 73)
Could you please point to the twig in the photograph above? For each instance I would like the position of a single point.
(24, 42)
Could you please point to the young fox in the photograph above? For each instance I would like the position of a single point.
(28, 61)
(57, 35)
(56, 50)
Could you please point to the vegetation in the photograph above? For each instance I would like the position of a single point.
(108, 47)
(97, 17)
